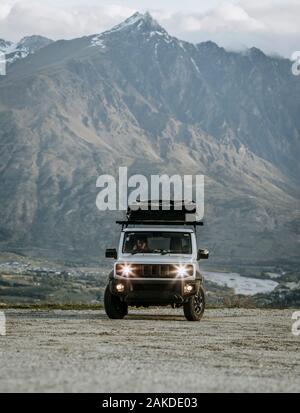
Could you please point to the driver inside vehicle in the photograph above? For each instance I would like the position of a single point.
(141, 245)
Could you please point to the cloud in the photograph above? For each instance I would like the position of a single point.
(282, 17)
(5, 8)
(225, 17)
(271, 25)
(21, 18)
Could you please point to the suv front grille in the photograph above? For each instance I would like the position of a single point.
(153, 270)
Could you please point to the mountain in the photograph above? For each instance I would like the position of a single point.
(135, 96)
(26, 46)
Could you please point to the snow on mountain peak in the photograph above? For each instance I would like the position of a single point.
(26, 46)
(138, 20)
(5, 46)
(137, 23)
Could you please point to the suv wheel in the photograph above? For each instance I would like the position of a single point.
(194, 308)
(114, 307)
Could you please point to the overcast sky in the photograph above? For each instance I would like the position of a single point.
(271, 25)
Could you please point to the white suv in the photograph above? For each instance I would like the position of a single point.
(156, 265)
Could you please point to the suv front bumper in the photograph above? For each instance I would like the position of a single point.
(154, 292)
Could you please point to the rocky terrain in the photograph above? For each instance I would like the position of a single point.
(136, 96)
(232, 350)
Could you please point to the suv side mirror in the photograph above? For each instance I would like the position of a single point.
(111, 253)
(202, 254)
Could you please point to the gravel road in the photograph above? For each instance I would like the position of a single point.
(232, 350)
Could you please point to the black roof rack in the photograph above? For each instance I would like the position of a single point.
(153, 222)
(161, 213)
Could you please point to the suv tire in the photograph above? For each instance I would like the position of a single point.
(114, 307)
(194, 308)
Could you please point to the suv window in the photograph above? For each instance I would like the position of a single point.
(157, 242)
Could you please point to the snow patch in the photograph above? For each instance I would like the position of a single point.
(195, 66)
(8, 47)
(163, 36)
(25, 47)
(98, 41)
(181, 46)
(155, 50)
(133, 20)
(16, 54)
(157, 33)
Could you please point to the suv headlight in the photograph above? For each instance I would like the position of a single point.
(183, 271)
(124, 270)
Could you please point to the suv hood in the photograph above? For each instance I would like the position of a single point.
(156, 258)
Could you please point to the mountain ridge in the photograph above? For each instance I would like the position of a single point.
(172, 107)
(28, 45)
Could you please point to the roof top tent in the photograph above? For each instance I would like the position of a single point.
(161, 213)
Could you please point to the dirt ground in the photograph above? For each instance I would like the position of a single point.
(231, 350)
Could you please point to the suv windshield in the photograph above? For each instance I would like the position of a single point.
(157, 243)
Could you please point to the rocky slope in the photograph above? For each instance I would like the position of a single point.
(135, 96)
